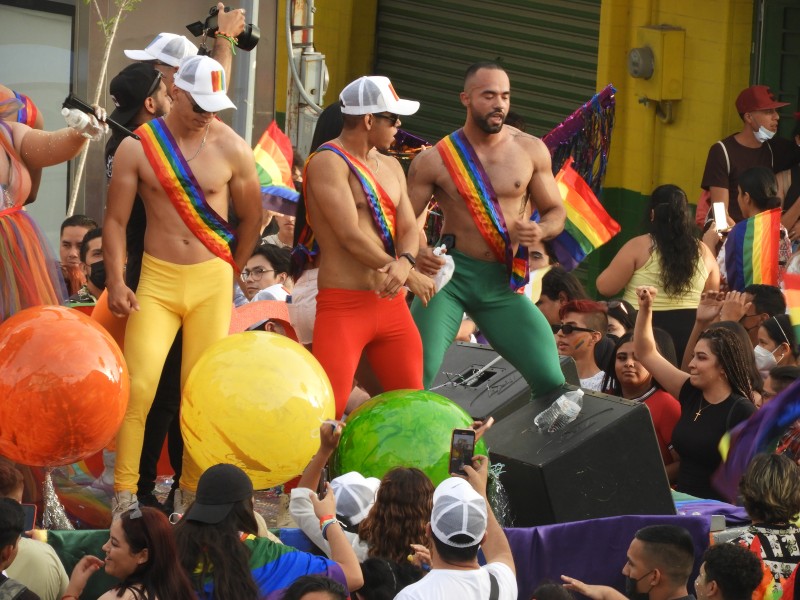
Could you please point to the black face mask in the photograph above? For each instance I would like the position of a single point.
(630, 588)
(97, 275)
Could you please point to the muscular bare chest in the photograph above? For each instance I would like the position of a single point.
(211, 175)
(387, 181)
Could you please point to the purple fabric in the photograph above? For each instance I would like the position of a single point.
(734, 515)
(593, 551)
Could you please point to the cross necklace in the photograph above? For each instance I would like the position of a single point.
(700, 409)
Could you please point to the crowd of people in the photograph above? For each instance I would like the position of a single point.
(185, 242)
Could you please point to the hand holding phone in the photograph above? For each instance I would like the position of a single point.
(30, 516)
(462, 448)
(720, 217)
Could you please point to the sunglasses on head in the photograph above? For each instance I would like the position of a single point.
(391, 117)
(567, 328)
(155, 84)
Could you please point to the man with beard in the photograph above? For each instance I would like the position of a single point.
(357, 204)
(659, 563)
(483, 177)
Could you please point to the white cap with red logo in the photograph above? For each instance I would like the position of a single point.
(374, 94)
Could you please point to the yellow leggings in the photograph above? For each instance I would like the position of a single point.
(199, 298)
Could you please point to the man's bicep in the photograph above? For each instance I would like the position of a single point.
(124, 183)
(542, 187)
(245, 188)
(421, 179)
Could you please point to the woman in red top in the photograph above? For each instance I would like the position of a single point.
(626, 377)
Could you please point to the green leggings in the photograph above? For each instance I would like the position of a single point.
(511, 322)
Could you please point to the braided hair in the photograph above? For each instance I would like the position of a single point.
(732, 357)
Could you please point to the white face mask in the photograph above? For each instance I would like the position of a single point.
(763, 134)
(765, 360)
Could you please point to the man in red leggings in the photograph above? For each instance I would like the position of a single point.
(358, 207)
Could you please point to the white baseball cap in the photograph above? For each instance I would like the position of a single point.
(374, 94)
(355, 495)
(203, 79)
(458, 512)
(168, 48)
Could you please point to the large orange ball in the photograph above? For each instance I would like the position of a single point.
(63, 387)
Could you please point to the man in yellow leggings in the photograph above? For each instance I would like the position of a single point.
(186, 167)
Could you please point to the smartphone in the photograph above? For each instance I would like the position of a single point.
(30, 516)
(462, 448)
(323, 479)
(720, 219)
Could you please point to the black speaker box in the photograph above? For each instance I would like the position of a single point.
(605, 463)
(483, 383)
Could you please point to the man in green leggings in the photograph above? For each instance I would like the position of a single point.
(482, 177)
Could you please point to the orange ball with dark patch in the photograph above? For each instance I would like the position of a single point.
(64, 387)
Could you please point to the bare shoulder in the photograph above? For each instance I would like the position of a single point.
(225, 137)
(325, 163)
(427, 161)
(392, 163)
(533, 145)
(18, 132)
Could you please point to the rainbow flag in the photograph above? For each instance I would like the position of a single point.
(273, 155)
(588, 224)
(791, 291)
(751, 251)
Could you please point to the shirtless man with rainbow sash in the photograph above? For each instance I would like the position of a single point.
(358, 206)
(186, 168)
(483, 177)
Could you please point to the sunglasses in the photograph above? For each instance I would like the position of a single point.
(612, 304)
(197, 108)
(391, 117)
(155, 84)
(567, 329)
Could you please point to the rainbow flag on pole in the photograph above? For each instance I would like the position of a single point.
(588, 224)
(791, 291)
(751, 251)
(273, 155)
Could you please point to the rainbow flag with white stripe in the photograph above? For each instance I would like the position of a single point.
(751, 251)
(588, 224)
(273, 155)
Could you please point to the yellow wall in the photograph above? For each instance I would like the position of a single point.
(344, 31)
(645, 152)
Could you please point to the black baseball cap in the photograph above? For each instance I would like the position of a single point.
(130, 88)
(218, 490)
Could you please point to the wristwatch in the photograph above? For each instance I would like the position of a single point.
(409, 257)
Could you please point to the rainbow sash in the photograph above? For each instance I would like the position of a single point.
(476, 189)
(27, 113)
(184, 191)
(384, 212)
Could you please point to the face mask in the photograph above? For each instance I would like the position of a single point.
(765, 360)
(98, 275)
(763, 134)
(630, 588)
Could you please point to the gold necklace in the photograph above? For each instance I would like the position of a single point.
(203, 143)
(700, 409)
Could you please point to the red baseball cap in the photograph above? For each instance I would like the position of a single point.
(757, 97)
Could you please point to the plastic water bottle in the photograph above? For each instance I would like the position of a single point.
(560, 413)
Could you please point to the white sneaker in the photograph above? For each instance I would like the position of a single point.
(121, 502)
(183, 500)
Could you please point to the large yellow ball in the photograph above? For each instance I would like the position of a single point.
(256, 400)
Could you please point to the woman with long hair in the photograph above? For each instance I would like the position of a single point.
(669, 258)
(140, 552)
(627, 378)
(396, 524)
(715, 395)
(218, 547)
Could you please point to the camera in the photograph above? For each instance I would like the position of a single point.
(247, 40)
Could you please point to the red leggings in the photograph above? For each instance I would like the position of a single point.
(350, 322)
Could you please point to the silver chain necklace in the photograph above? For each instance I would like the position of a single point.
(203, 143)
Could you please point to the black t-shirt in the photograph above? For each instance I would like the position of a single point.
(696, 440)
(741, 158)
(137, 223)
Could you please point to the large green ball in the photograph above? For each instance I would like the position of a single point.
(401, 428)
